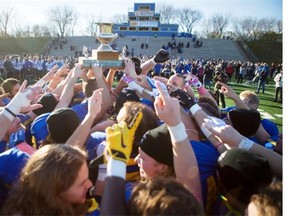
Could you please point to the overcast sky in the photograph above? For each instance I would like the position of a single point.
(35, 11)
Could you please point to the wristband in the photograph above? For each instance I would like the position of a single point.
(246, 144)
(205, 131)
(8, 114)
(178, 132)
(153, 61)
(218, 145)
(202, 90)
(194, 109)
(101, 174)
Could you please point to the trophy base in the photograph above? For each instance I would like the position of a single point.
(105, 55)
(106, 64)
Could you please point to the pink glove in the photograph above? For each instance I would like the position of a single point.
(195, 83)
(193, 80)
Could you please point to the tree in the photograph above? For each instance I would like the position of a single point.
(92, 27)
(119, 18)
(61, 18)
(5, 18)
(219, 23)
(187, 18)
(167, 12)
(279, 26)
(73, 23)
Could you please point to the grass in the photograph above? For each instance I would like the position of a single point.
(267, 108)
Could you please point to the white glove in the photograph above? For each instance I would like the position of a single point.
(19, 100)
(134, 86)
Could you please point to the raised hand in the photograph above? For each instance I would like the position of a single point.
(94, 102)
(166, 107)
(161, 56)
(120, 138)
(185, 100)
(129, 69)
(21, 101)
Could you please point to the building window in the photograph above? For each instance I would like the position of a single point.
(154, 29)
(155, 18)
(144, 7)
(123, 28)
(164, 29)
(132, 28)
(144, 18)
(132, 18)
(143, 29)
(173, 29)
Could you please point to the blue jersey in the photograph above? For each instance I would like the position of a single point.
(12, 162)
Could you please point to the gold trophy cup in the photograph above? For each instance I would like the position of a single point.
(104, 54)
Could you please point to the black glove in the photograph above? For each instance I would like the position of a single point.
(185, 100)
(161, 56)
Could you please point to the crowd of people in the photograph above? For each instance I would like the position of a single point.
(160, 141)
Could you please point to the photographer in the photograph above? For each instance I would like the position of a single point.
(222, 77)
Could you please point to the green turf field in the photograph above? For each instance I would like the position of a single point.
(268, 109)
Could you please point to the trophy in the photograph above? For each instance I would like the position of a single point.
(104, 55)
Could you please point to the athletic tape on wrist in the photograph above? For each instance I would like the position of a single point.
(116, 168)
(7, 114)
(194, 109)
(178, 132)
(205, 131)
(246, 144)
(19, 101)
(153, 61)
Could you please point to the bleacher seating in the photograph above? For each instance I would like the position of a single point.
(211, 48)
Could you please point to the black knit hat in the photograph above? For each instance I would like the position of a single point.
(245, 121)
(124, 96)
(48, 102)
(157, 144)
(243, 170)
(62, 123)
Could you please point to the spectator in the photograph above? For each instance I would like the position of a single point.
(263, 78)
(242, 73)
(207, 76)
(278, 79)
(229, 71)
(222, 77)
(8, 67)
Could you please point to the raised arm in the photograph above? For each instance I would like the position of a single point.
(119, 146)
(234, 139)
(185, 163)
(83, 130)
(101, 83)
(68, 90)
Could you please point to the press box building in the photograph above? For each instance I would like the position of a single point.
(144, 21)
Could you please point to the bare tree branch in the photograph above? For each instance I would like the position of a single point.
(61, 17)
(187, 18)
